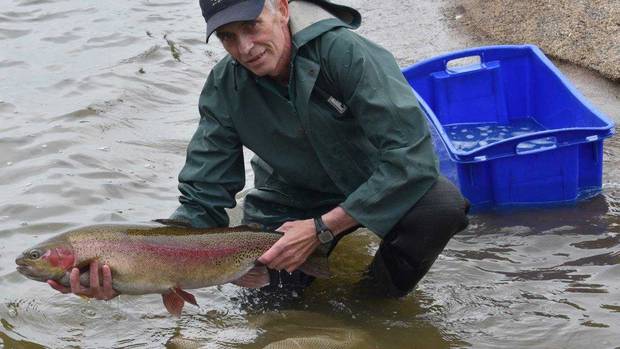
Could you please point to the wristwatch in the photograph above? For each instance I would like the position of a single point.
(322, 231)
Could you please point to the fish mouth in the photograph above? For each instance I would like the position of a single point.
(21, 262)
(30, 273)
(22, 269)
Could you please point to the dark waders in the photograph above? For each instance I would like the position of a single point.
(405, 254)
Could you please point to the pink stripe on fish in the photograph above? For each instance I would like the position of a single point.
(188, 252)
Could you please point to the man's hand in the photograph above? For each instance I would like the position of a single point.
(292, 250)
(300, 240)
(99, 291)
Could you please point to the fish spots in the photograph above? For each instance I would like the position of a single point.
(189, 252)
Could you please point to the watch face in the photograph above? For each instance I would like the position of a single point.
(325, 236)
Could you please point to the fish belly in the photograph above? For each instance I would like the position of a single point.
(186, 276)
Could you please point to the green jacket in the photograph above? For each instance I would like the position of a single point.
(375, 159)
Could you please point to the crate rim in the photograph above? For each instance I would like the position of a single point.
(474, 155)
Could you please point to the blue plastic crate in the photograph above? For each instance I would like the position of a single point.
(510, 129)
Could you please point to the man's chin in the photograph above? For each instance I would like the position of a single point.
(258, 71)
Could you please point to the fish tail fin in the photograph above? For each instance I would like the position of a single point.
(175, 299)
(316, 265)
(256, 277)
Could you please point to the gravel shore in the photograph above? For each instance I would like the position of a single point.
(584, 32)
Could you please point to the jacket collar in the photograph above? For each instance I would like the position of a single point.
(311, 18)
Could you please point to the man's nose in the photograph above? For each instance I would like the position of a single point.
(245, 44)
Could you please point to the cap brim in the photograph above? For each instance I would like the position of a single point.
(244, 11)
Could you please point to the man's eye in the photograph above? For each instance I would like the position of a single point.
(250, 25)
(225, 37)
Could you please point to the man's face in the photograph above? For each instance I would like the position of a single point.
(262, 45)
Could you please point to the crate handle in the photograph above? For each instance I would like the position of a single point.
(536, 145)
(463, 64)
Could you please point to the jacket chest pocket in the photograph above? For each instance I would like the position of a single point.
(331, 104)
(328, 102)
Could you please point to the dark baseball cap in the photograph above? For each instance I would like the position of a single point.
(220, 12)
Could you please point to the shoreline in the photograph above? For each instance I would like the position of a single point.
(583, 33)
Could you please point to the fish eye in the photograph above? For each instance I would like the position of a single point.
(34, 254)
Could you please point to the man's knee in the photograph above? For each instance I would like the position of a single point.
(438, 215)
(410, 249)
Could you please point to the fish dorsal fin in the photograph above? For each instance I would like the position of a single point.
(176, 230)
(172, 222)
(236, 229)
(252, 227)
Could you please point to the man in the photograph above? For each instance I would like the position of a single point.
(340, 141)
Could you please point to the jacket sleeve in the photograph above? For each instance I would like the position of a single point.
(214, 170)
(382, 102)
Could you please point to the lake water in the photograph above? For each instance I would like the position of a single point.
(467, 137)
(97, 104)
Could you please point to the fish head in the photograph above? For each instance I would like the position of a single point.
(49, 260)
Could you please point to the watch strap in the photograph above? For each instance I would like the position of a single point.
(324, 234)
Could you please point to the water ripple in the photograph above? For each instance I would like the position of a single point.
(9, 63)
(98, 102)
(13, 33)
(611, 258)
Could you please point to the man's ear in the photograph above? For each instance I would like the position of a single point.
(283, 10)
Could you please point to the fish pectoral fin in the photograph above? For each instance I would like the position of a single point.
(175, 299)
(186, 296)
(173, 302)
(316, 265)
(256, 277)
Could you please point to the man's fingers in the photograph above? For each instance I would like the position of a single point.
(74, 280)
(94, 276)
(290, 265)
(291, 269)
(292, 261)
(268, 257)
(283, 261)
(108, 292)
(96, 290)
(294, 265)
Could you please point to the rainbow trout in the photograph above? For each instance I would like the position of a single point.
(159, 259)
